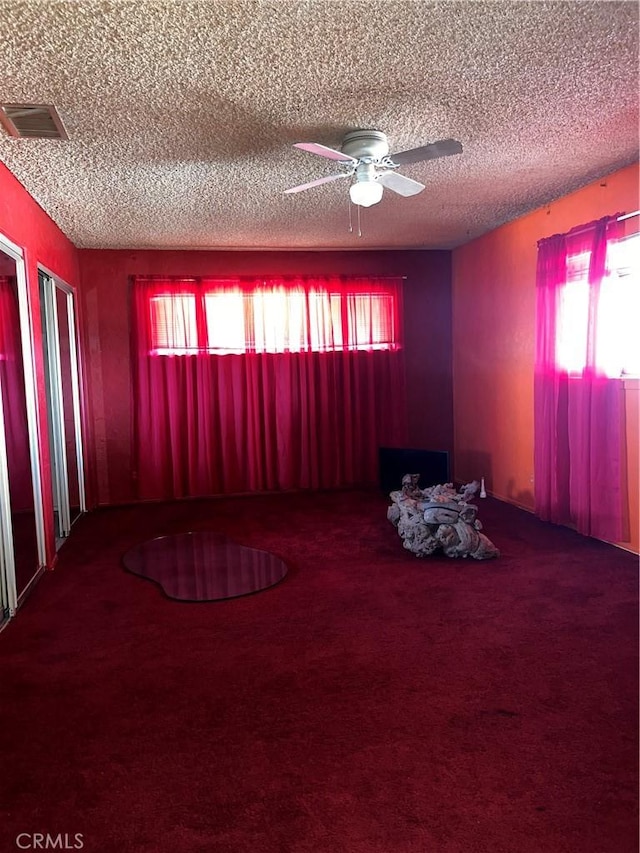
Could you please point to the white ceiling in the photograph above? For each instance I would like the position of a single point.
(181, 115)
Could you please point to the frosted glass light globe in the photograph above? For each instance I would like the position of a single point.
(365, 193)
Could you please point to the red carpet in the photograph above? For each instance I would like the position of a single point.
(370, 703)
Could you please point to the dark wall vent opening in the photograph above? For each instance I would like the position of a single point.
(35, 121)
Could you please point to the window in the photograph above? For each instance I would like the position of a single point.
(173, 324)
(617, 345)
(221, 319)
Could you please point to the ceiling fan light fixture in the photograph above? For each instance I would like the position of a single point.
(366, 193)
(365, 158)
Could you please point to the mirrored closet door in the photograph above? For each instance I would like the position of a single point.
(63, 401)
(22, 553)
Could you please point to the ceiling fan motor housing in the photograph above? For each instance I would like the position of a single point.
(366, 143)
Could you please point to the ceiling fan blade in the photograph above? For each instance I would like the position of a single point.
(399, 184)
(323, 151)
(317, 183)
(442, 148)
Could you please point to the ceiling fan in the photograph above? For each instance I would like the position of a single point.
(365, 157)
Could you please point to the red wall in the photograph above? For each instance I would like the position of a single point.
(494, 280)
(105, 289)
(24, 222)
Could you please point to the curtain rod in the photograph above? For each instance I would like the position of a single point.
(232, 276)
(574, 232)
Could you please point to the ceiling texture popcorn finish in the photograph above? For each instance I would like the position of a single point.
(182, 115)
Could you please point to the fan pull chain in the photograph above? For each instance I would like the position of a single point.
(351, 220)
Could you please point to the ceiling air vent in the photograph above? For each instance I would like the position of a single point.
(35, 121)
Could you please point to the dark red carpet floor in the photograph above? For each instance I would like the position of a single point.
(370, 703)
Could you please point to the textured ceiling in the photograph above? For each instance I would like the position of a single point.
(181, 115)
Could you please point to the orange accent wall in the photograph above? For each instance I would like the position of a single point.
(493, 280)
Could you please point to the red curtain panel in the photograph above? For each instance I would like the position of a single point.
(252, 385)
(579, 403)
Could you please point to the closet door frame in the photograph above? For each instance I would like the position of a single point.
(8, 590)
(6, 529)
(51, 283)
